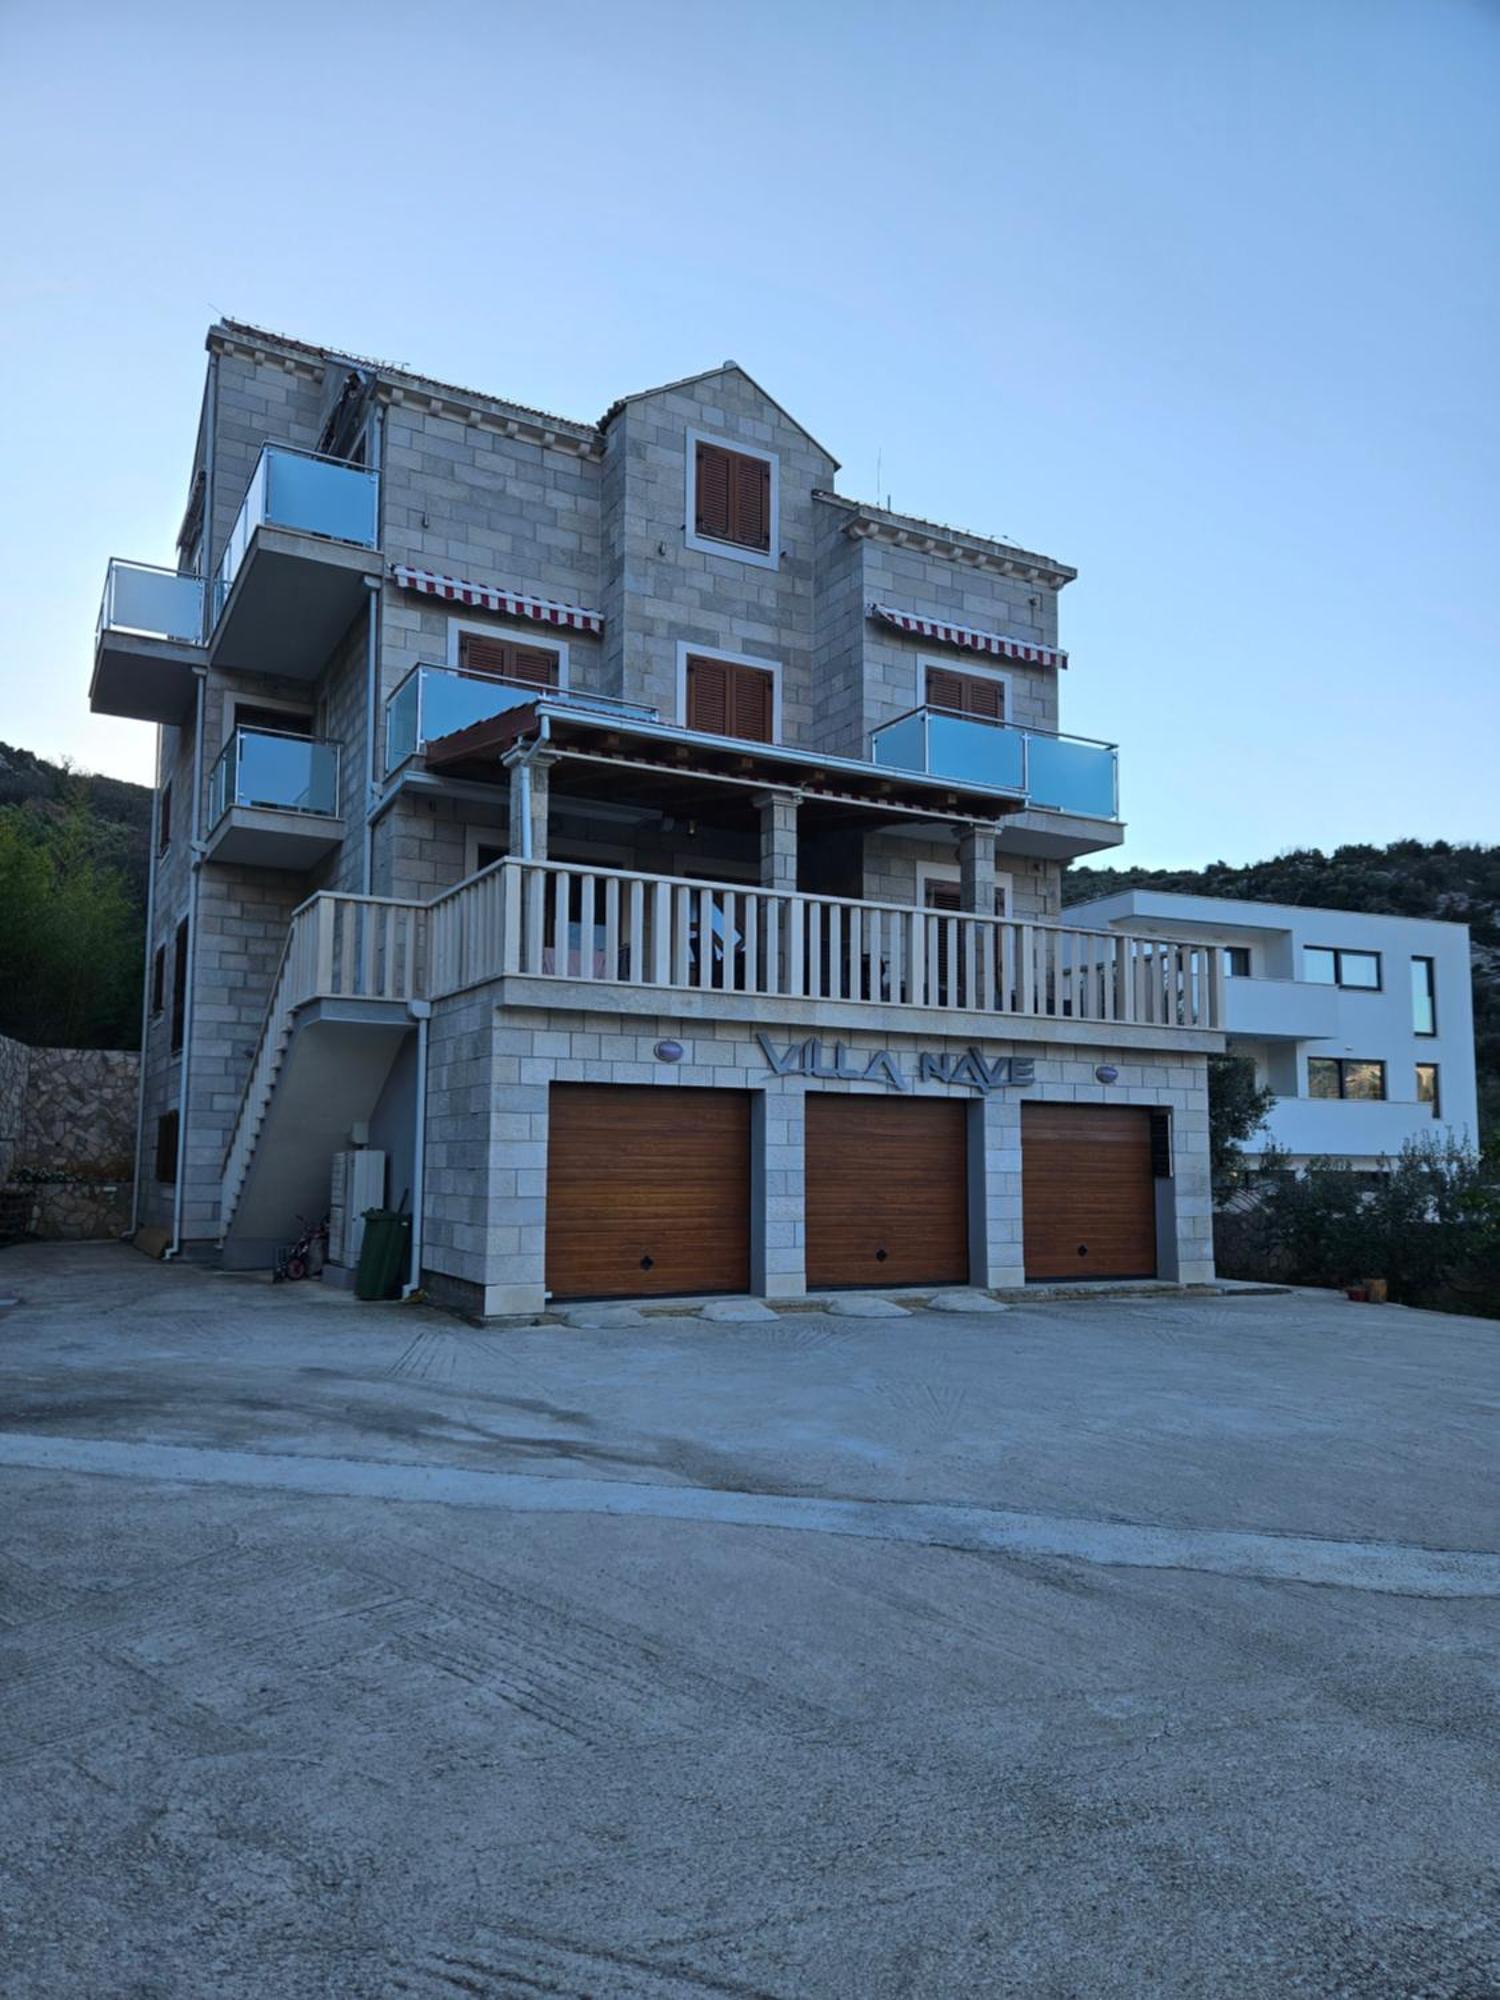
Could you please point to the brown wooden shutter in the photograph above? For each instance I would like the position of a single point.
(158, 979)
(750, 712)
(533, 664)
(966, 694)
(484, 653)
(708, 696)
(479, 653)
(713, 492)
(752, 502)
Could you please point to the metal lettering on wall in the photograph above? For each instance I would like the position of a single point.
(972, 1069)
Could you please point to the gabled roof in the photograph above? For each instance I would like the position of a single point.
(707, 375)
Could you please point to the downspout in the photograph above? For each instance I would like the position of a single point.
(140, 1095)
(195, 857)
(421, 1013)
(372, 687)
(374, 458)
(521, 763)
(195, 805)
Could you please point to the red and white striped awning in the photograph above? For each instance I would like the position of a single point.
(973, 642)
(509, 603)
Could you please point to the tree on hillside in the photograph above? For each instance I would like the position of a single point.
(71, 934)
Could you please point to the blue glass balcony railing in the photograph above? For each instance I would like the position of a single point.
(307, 493)
(285, 773)
(437, 701)
(1059, 773)
(153, 603)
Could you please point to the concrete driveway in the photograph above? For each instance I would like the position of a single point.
(1125, 1647)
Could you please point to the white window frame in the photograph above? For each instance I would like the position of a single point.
(543, 641)
(689, 649)
(949, 871)
(972, 667)
(705, 544)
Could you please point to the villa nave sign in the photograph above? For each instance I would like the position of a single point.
(972, 1068)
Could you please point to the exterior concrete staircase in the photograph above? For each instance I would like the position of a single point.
(337, 1015)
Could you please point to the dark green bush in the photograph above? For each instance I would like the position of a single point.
(1429, 1225)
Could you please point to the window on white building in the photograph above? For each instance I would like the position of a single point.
(1342, 1076)
(1327, 966)
(1424, 997)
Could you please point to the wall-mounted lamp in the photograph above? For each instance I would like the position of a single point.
(1107, 1073)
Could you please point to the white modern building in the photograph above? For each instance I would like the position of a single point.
(1362, 1025)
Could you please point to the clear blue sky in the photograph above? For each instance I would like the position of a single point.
(1199, 295)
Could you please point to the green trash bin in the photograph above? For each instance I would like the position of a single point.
(383, 1254)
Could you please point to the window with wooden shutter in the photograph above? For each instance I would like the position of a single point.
(732, 497)
(179, 984)
(726, 699)
(158, 979)
(166, 1148)
(966, 694)
(504, 659)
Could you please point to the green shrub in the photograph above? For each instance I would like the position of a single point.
(1429, 1225)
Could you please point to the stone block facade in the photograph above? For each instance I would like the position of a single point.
(487, 1125)
(598, 515)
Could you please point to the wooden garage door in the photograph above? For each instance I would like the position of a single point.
(887, 1199)
(648, 1191)
(1087, 1192)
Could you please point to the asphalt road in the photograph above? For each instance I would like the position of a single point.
(1118, 1647)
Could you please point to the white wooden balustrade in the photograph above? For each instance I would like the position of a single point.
(554, 920)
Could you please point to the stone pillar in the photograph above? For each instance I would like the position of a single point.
(778, 839)
(778, 1234)
(976, 870)
(538, 767)
(997, 1207)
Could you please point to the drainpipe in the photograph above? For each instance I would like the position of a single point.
(421, 1012)
(195, 852)
(375, 462)
(372, 690)
(195, 804)
(520, 763)
(140, 1095)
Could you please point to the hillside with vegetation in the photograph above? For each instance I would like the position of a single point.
(1409, 878)
(73, 871)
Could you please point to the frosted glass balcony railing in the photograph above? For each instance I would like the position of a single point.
(155, 603)
(438, 701)
(1062, 773)
(307, 493)
(264, 767)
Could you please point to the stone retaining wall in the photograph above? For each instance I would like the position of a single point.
(67, 1141)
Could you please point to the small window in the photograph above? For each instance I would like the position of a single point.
(179, 984)
(164, 821)
(981, 695)
(1237, 961)
(1424, 999)
(1428, 1091)
(166, 1149)
(158, 979)
(725, 698)
(732, 497)
(1337, 1076)
(504, 659)
(1328, 967)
